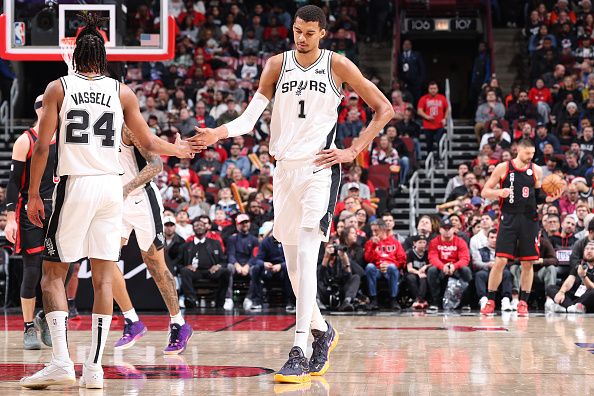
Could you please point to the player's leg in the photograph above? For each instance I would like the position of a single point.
(31, 276)
(71, 289)
(528, 248)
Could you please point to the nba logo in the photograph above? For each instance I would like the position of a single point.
(19, 34)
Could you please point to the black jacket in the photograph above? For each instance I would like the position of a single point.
(173, 253)
(208, 253)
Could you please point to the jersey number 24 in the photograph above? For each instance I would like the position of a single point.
(78, 125)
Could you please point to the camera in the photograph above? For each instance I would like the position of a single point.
(339, 248)
(585, 266)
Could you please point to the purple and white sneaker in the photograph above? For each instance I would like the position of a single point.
(179, 336)
(133, 331)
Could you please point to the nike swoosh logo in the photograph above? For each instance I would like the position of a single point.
(316, 171)
(138, 202)
(288, 70)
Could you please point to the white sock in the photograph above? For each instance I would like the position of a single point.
(56, 322)
(177, 319)
(307, 259)
(100, 331)
(131, 315)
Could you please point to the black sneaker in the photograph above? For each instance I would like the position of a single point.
(373, 306)
(72, 311)
(346, 306)
(394, 306)
(323, 344)
(295, 370)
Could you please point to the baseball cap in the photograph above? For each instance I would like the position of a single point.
(476, 201)
(571, 104)
(353, 96)
(446, 223)
(521, 118)
(169, 219)
(265, 228)
(241, 218)
(353, 185)
(468, 207)
(419, 237)
(541, 124)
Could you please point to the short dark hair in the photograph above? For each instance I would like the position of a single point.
(204, 217)
(380, 223)
(432, 83)
(492, 231)
(526, 143)
(312, 13)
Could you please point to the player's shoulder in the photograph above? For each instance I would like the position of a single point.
(276, 61)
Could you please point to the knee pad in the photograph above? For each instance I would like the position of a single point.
(31, 275)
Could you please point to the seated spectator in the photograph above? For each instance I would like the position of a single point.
(482, 268)
(460, 191)
(235, 91)
(269, 264)
(417, 264)
(151, 110)
(218, 106)
(491, 110)
(183, 227)
(385, 257)
(352, 104)
(407, 127)
(203, 258)
(574, 168)
(538, 41)
(388, 218)
(385, 154)
(576, 295)
(258, 215)
(336, 278)
(173, 249)
(497, 136)
(569, 116)
(197, 205)
(349, 237)
(232, 30)
(225, 203)
(425, 228)
(566, 238)
(250, 42)
(176, 199)
(249, 70)
(186, 174)
(210, 233)
(207, 166)
(400, 146)
(350, 128)
(186, 123)
(354, 176)
(448, 257)
(231, 113)
(569, 201)
(275, 44)
(343, 45)
(481, 238)
(522, 107)
(241, 162)
(240, 250)
(353, 191)
(581, 212)
(552, 224)
(456, 181)
(203, 119)
(542, 137)
(399, 105)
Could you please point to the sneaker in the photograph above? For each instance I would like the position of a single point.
(522, 308)
(133, 331)
(55, 372)
(514, 304)
(72, 311)
(549, 306)
(295, 370)
(228, 306)
(323, 344)
(290, 308)
(346, 306)
(576, 308)
(92, 377)
(179, 336)
(483, 301)
(417, 305)
(466, 308)
(433, 309)
(489, 308)
(394, 306)
(30, 341)
(560, 309)
(247, 304)
(41, 324)
(506, 304)
(256, 308)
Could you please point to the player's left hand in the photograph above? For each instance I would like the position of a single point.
(329, 157)
(187, 148)
(11, 230)
(206, 136)
(36, 210)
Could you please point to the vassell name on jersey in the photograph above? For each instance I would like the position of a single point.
(99, 98)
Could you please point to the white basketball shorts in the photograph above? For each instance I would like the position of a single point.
(304, 197)
(86, 220)
(143, 214)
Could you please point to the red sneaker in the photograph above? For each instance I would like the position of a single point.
(417, 305)
(489, 308)
(522, 308)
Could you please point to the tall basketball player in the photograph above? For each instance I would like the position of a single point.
(305, 83)
(519, 193)
(143, 213)
(89, 109)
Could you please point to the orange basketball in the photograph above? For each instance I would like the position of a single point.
(552, 183)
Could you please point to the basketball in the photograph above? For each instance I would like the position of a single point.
(552, 183)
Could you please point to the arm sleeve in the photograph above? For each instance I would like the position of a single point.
(12, 189)
(246, 121)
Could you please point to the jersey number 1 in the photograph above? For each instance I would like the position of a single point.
(78, 123)
(302, 109)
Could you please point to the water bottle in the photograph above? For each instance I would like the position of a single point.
(195, 262)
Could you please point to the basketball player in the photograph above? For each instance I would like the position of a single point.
(89, 109)
(519, 193)
(306, 85)
(143, 213)
(28, 238)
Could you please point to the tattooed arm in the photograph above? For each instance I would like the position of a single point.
(152, 168)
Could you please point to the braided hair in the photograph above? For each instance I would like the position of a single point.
(89, 53)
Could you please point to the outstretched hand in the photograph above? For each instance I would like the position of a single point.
(555, 195)
(205, 136)
(329, 157)
(187, 148)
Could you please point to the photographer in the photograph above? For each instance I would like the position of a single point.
(337, 285)
(576, 295)
(349, 238)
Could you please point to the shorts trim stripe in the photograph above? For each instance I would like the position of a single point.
(35, 250)
(52, 228)
(335, 184)
(156, 215)
(509, 256)
(528, 258)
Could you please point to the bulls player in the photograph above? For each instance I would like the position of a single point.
(88, 109)
(306, 85)
(517, 186)
(143, 213)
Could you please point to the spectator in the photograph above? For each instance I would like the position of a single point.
(353, 191)
(350, 128)
(576, 295)
(388, 218)
(481, 238)
(540, 96)
(400, 146)
(336, 278)
(241, 162)
(240, 249)
(448, 257)
(349, 237)
(385, 257)
(173, 245)
(249, 70)
(204, 120)
(186, 123)
(185, 173)
(257, 216)
(354, 176)
(456, 181)
(569, 201)
(411, 69)
(552, 224)
(250, 42)
(522, 107)
(352, 104)
(433, 108)
(577, 252)
(497, 136)
(425, 228)
(543, 137)
(409, 128)
(151, 110)
(385, 154)
(275, 44)
(210, 233)
(208, 166)
(235, 91)
(232, 30)
(183, 227)
(399, 105)
(417, 264)
(481, 72)
(491, 110)
(566, 238)
(482, 268)
(225, 203)
(197, 205)
(176, 199)
(269, 264)
(231, 113)
(203, 258)
(460, 191)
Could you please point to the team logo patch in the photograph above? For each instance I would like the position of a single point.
(161, 237)
(529, 172)
(49, 247)
(525, 191)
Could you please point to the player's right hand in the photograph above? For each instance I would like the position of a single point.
(187, 148)
(207, 136)
(504, 192)
(11, 230)
(36, 210)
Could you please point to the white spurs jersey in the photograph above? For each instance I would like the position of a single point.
(305, 111)
(91, 120)
(132, 163)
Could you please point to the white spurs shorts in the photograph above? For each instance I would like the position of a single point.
(86, 219)
(143, 213)
(303, 197)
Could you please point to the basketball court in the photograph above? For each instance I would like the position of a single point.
(384, 354)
